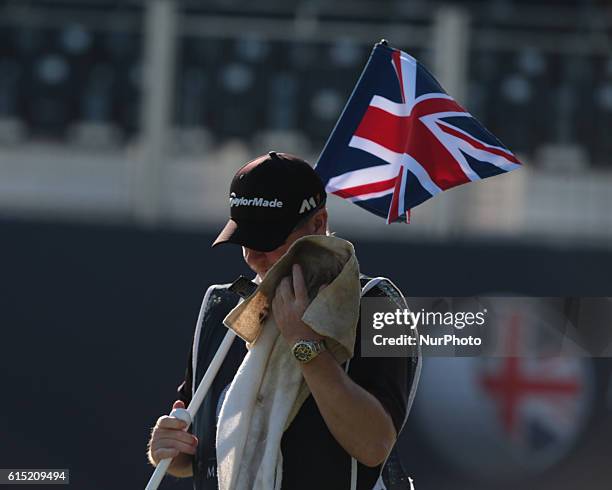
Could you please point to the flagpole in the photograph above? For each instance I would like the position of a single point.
(187, 415)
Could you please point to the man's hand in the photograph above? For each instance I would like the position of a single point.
(288, 306)
(170, 440)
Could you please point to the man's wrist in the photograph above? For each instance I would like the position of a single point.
(320, 362)
(309, 336)
(301, 332)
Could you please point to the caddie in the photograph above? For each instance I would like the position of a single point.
(348, 425)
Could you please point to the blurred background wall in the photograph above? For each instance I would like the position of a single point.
(121, 124)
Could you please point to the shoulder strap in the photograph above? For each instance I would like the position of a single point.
(217, 303)
(392, 291)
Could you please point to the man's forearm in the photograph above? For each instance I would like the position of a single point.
(354, 416)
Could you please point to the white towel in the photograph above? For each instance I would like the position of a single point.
(268, 389)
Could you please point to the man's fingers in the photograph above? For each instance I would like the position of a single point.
(178, 404)
(164, 453)
(161, 444)
(178, 435)
(167, 422)
(285, 289)
(298, 283)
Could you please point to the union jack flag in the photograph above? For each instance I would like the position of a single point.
(401, 139)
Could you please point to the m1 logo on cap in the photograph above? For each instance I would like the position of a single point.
(307, 205)
(259, 202)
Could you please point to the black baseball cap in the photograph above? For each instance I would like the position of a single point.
(269, 197)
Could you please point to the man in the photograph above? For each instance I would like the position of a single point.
(350, 416)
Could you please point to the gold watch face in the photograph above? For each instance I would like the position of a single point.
(303, 352)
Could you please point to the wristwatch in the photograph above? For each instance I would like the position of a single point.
(306, 350)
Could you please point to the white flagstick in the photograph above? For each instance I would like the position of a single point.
(188, 414)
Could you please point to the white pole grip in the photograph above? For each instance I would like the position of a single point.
(187, 415)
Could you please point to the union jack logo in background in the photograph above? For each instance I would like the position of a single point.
(401, 140)
(540, 401)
